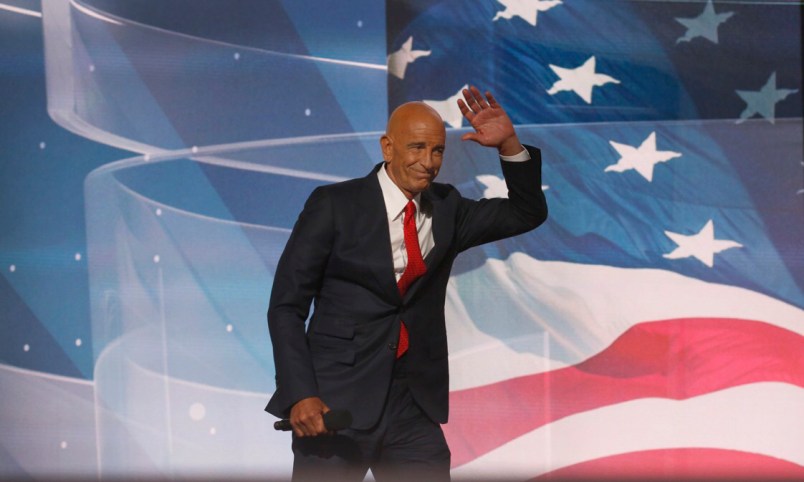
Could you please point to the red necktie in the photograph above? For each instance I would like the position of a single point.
(413, 270)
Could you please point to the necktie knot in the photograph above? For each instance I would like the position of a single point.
(410, 211)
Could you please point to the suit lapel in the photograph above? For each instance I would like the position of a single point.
(378, 248)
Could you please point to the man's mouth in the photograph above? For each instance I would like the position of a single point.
(423, 175)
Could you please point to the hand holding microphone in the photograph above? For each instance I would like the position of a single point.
(311, 416)
(334, 420)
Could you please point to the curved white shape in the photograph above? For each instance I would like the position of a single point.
(45, 376)
(22, 11)
(761, 418)
(580, 308)
(94, 14)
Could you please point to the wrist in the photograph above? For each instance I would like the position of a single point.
(510, 147)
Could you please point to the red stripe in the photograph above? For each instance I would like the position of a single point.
(681, 464)
(674, 359)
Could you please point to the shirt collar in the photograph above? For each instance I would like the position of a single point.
(395, 200)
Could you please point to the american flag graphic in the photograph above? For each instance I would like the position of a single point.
(652, 328)
(155, 159)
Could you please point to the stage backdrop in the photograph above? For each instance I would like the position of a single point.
(155, 155)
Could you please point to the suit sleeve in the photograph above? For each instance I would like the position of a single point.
(525, 209)
(298, 278)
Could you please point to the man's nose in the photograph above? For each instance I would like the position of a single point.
(428, 160)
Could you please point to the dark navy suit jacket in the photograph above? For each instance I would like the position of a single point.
(338, 258)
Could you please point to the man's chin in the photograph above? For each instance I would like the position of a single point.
(419, 185)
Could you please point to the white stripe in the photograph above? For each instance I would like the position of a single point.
(761, 418)
(92, 13)
(24, 11)
(519, 303)
(283, 171)
(351, 63)
(44, 375)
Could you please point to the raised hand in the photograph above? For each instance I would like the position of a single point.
(493, 127)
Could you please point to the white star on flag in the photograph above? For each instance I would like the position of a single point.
(642, 159)
(704, 25)
(527, 10)
(448, 109)
(580, 80)
(496, 187)
(702, 245)
(763, 101)
(399, 60)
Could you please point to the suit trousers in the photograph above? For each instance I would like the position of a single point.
(404, 445)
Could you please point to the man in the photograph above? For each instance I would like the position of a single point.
(374, 255)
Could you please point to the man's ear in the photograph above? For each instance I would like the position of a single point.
(386, 144)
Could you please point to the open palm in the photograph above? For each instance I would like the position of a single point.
(493, 127)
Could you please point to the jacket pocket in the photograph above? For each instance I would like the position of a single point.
(334, 328)
(333, 340)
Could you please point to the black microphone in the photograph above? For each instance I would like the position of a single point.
(334, 420)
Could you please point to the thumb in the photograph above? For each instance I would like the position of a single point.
(471, 136)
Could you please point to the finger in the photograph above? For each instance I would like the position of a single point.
(314, 428)
(307, 424)
(319, 427)
(473, 99)
(465, 110)
(312, 423)
(470, 103)
(478, 97)
(491, 99)
(470, 136)
(300, 429)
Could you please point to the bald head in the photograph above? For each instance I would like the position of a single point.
(410, 112)
(413, 147)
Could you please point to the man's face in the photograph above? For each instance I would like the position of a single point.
(413, 148)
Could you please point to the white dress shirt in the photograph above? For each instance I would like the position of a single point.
(395, 202)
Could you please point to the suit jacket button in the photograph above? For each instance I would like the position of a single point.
(392, 346)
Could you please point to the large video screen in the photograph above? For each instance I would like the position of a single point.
(156, 155)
